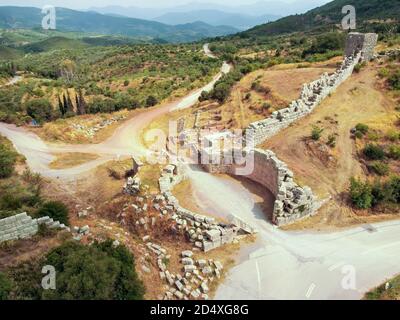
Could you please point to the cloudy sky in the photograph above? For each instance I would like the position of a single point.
(83, 4)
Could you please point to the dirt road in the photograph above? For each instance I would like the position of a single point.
(280, 265)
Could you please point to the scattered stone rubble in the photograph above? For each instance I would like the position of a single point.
(90, 132)
(196, 275)
(132, 186)
(204, 232)
(22, 226)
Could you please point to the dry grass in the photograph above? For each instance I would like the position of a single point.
(62, 130)
(359, 100)
(70, 160)
(245, 105)
(149, 175)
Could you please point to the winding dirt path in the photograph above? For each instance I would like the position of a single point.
(280, 265)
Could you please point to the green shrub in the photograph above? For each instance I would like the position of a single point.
(5, 287)
(358, 135)
(55, 210)
(363, 128)
(8, 159)
(374, 152)
(151, 101)
(383, 73)
(359, 66)
(392, 190)
(394, 152)
(380, 168)
(40, 110)
(394, 80)
(316, 133)
(393, 135)
(97, 272)
(331, 141)
(360, 194)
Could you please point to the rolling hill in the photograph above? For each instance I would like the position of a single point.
(215, 18)
(327, 16)
(95, 23)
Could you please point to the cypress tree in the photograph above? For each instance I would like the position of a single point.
(61, 106)
(82, 102)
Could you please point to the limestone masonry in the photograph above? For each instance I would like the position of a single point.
(22, 226)
(292, 201)
(359, 47)
(204, 232)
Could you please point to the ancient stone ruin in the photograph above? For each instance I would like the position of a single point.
(292, 201)
(204, 232)
(361, 42)
(359, 47)
(22, 226)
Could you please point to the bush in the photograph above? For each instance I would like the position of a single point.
(361, 194)
(316, 133)
(8, 158)
(359, 66)
(394, 152)
(363, 128)
(97, 272)
(374, 152)
(55, 210)
(151, 101)
(394, 80)
(331, 141)
(5, 287)
(393, 135)
(392, 190)
(40, 110)
(380, 168)
(126, 83)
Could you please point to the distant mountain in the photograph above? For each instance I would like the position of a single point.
(215, 18)
(329, 15)
(260, 8)
(92, 22)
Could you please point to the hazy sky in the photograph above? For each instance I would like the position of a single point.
(84, 4)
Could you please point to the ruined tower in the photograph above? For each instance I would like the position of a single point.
(364, 42)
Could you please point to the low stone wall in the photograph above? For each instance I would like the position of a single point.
(204, 232)
(311, 96)
(292, 202)
(22, 226)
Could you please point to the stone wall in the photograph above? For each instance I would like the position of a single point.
(22, 226)
(203, 231)
(361, 42)
(311, 96)
(292, 202)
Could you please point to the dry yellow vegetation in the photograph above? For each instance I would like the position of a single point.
(75, 130)
(71, 159)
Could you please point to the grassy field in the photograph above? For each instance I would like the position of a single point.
(387, 291)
